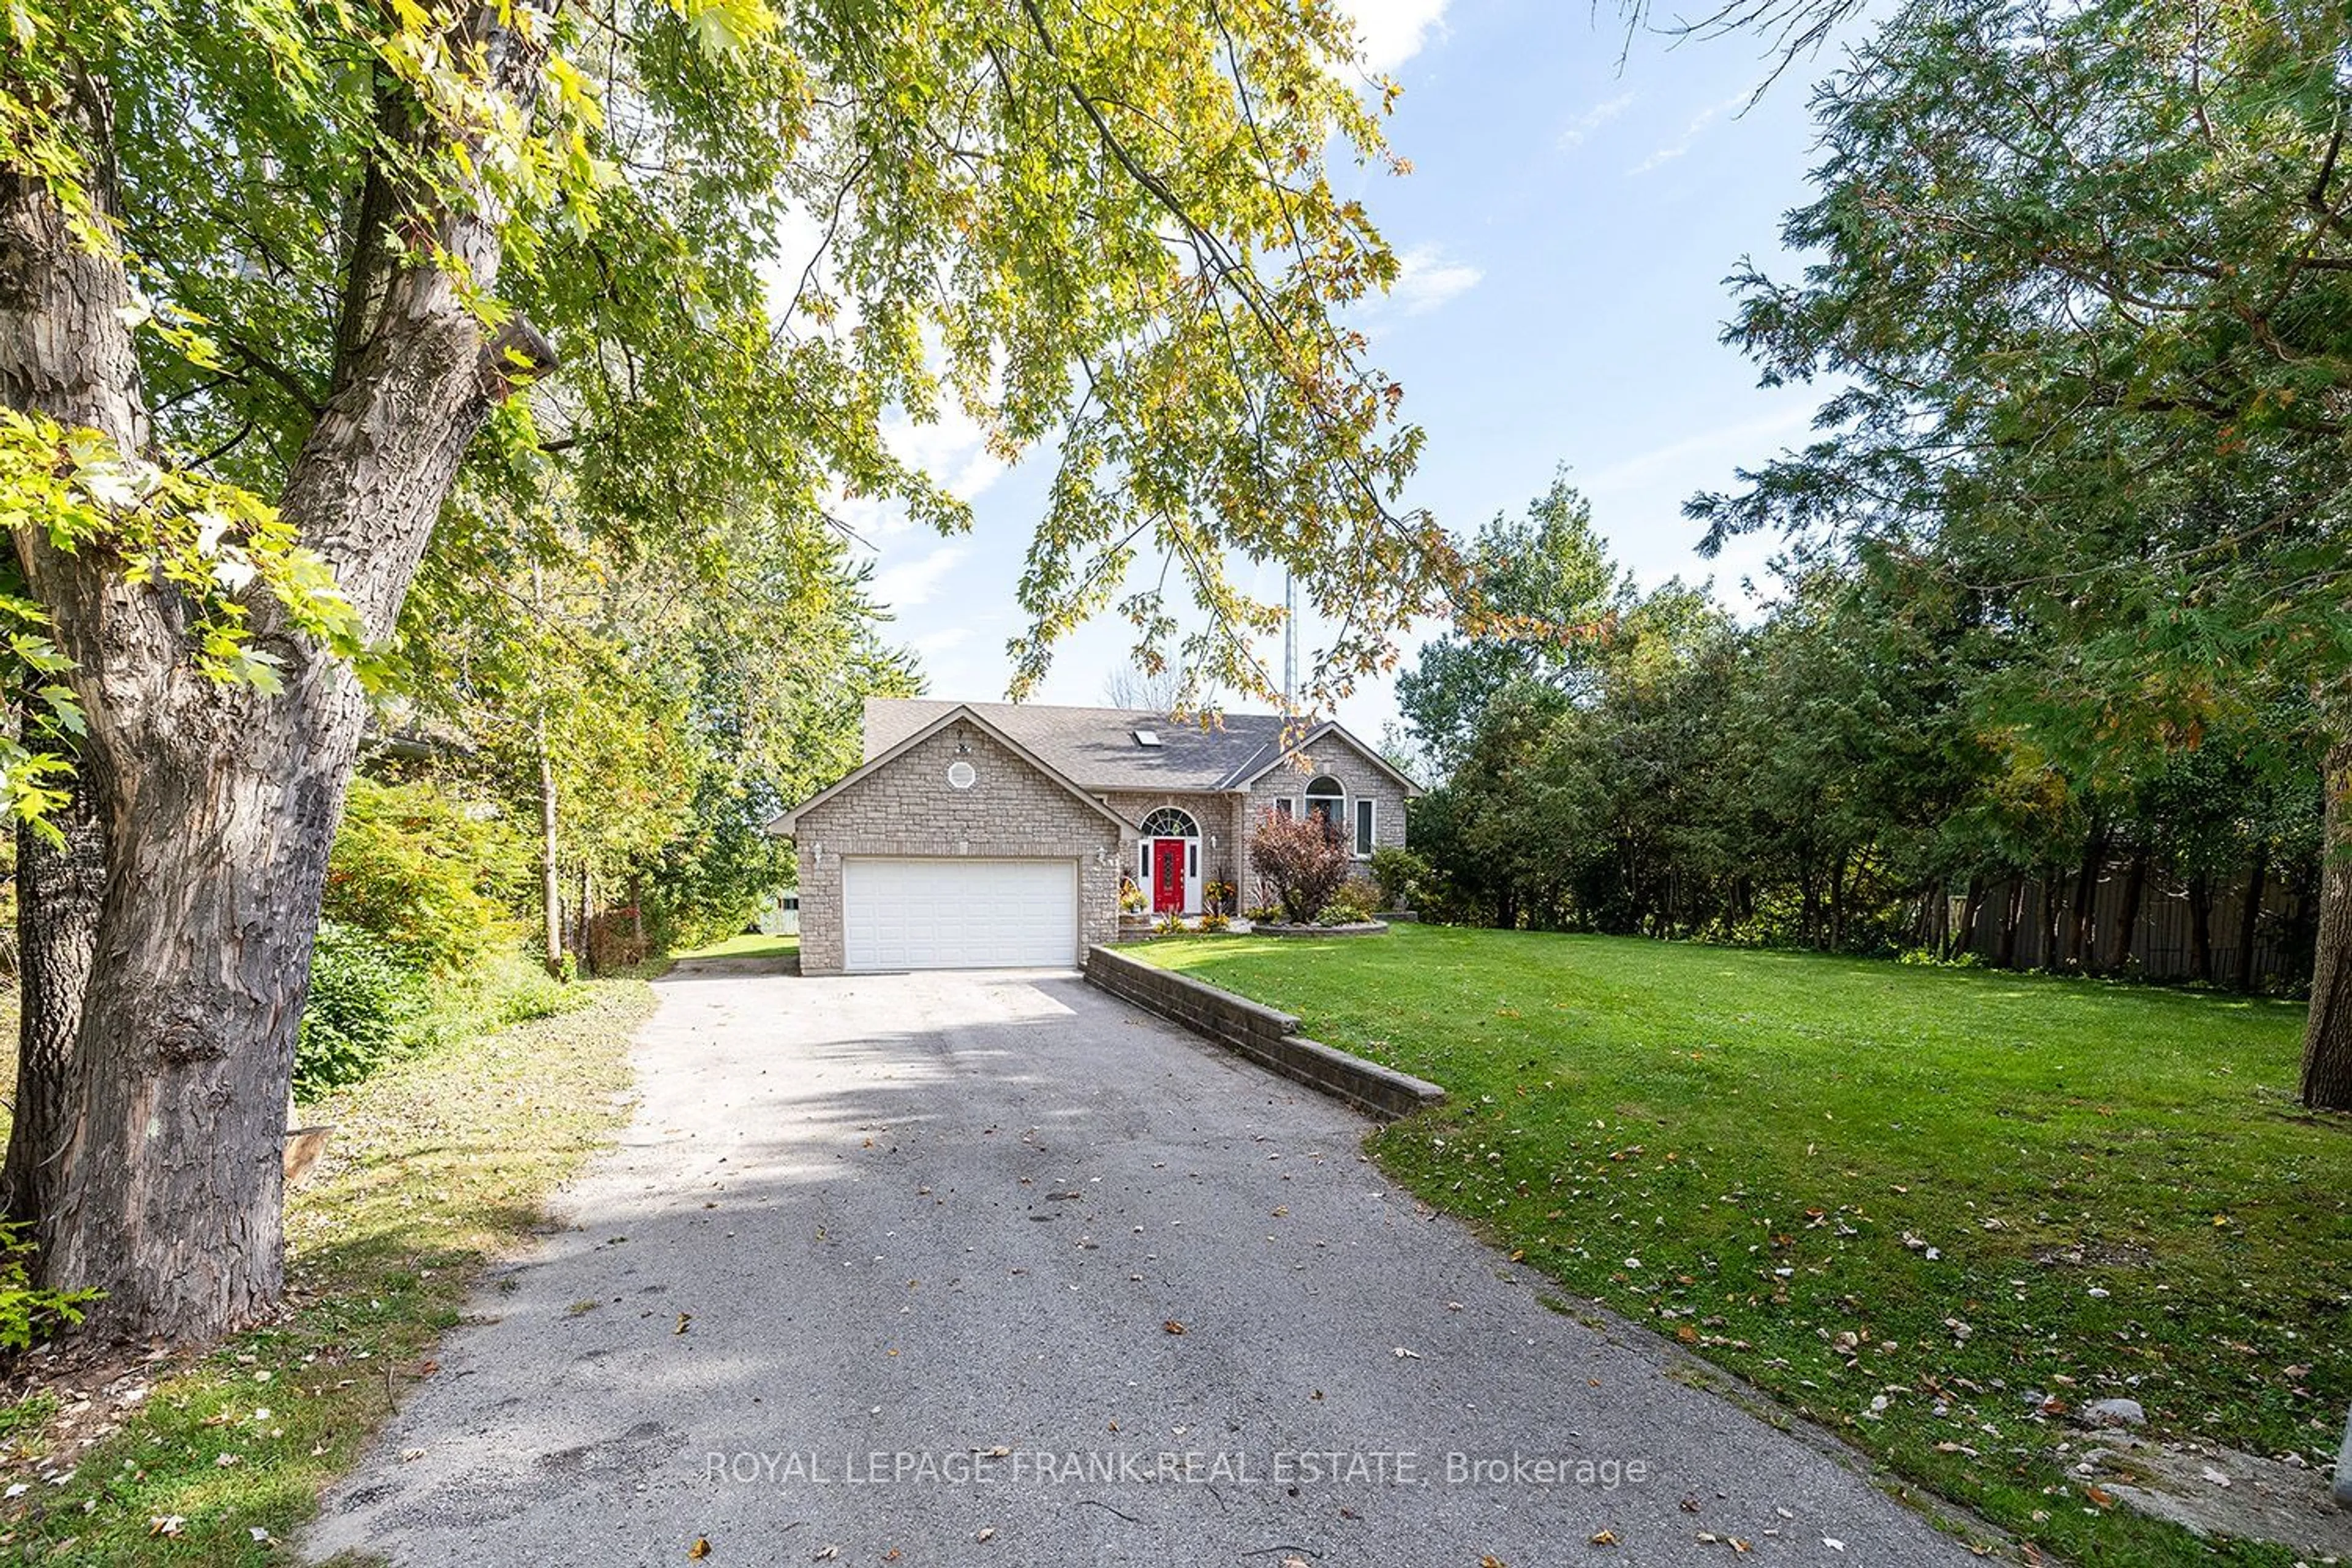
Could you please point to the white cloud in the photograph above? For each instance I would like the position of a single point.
(1691, 133)
(932, 645)
(952, 449)
(1426, 279)
(1592, 119)
(908, 583)
(1393, 31)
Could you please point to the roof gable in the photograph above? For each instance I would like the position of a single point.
(1257, 768)
(785, 824)
(1094, 749)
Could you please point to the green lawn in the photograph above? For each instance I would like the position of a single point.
(752, 945)
(1814, 1172)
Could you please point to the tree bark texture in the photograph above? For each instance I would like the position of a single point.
(2327, 1033)
(2052, 917)
(550, 871)
(2250, 915)
(2119, 946)
(2201, 928)
(64, 353)
(2013, 914)
(59, 888)
(2082, 904)
(219, 803)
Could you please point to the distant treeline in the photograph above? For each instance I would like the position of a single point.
(1848, 773)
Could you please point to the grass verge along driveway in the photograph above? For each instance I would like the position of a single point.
(438, 1162)
(1930, 1208)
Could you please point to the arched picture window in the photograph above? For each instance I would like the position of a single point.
(1170, 823)
(1326, 802)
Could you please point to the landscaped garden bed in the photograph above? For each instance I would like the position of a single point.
(1345, 928)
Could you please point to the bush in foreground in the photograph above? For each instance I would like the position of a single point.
(1302, 863)
(362, 999)
(426, 872)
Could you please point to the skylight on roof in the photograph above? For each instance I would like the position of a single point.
(1147, 737)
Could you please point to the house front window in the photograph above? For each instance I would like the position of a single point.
(1367, 825)
(1326, 802)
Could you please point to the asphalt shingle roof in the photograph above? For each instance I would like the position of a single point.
(1095, 747)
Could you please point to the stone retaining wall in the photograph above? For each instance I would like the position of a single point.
(1266, 1036)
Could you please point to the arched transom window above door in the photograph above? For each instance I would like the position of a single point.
(1327, 801)
(1170, 823)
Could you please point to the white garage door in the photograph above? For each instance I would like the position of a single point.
(959, 914)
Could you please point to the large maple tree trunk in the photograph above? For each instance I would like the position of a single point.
(2327, 1033)
(58, 889)
(153, 1167)
(64, 353)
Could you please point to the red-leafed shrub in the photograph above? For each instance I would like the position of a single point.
(1302, 861)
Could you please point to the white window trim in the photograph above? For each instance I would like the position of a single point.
(1347, 810)
(1146, 874)
(1355, 828)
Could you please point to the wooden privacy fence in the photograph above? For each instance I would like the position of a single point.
(2258, 927)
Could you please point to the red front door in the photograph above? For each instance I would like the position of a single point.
(1167, 875)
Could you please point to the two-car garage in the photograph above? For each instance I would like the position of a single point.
(908, 912)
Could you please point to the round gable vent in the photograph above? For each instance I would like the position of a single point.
(962, 775)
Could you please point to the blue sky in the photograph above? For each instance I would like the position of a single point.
(1565, 234)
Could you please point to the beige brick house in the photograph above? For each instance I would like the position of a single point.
(982, 834)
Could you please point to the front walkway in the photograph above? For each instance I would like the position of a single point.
(898, 1265)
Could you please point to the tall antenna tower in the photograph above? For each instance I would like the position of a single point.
(1289, 643)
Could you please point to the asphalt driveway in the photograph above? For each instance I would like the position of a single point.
(892, 1268)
